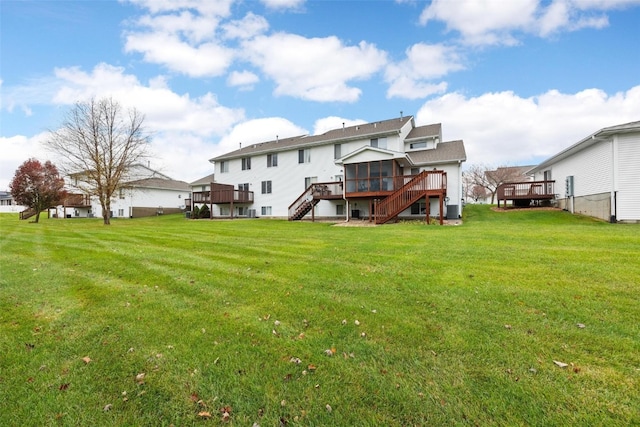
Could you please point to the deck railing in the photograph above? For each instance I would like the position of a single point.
(389, 184)
(76, 200)
(415, 187)
(526, 190)
(310, 197)
(223, 196)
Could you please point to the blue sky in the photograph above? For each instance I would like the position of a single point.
(517, 80)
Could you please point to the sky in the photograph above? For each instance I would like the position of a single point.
(517, 80)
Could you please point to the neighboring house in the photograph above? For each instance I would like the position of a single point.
(201, 187)
(599, 176)
(7, 204)
(143, 192)
(500, 175)
(380, 171)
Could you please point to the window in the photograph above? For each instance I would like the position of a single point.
(246, 163)
(416, 145)
(224, 210)
(379, 142)
(339, 209)
(121, 193)
(415, 171)
(224, 167)
(242, 211)
(304, 156)
(337, 151)
(266, 210)
(120, 212)
(419, 208)
(243, 187)
(310, 180)
(266, 187)
(272, 160)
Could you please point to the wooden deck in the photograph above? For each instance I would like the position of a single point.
(525, 192)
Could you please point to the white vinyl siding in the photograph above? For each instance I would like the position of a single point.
(628, 179)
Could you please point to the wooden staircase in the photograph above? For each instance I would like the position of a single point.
(28, 213)
(424, 184)
(303, 204)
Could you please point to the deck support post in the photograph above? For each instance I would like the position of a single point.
(441, 203)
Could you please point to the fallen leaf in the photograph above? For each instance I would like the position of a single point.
(561, 364)
(312, 367)
(507, 326)
(63, 387)
(295, 360)
(204, 414)
(357, 322)
(344, 321)
(580, 325)
(328, 407)
(276, 323)
(86, 359)
(140, 378)
(107, 407)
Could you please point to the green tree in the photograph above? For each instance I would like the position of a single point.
(37, 186)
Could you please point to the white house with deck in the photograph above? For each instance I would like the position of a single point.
(143, 192)
(599, 175)
(378, 171)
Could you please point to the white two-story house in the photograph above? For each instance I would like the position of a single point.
(142, 192)
(378, 171)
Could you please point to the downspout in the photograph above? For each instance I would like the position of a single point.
(614, 203)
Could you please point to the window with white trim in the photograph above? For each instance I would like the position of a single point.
(272, 160)
(266, 187)
(246, 163)
(304, 156)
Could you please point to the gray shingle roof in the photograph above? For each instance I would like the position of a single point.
(427, 131)
(165, 184)
(444, 152)
(366, 130)
(204, 180)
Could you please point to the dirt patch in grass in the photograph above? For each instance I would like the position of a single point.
(533, 208)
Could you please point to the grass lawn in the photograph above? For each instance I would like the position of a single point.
(166, 321)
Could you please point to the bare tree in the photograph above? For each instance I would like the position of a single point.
(98, 143)
(490, 178)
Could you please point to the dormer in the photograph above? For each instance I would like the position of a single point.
(423, 138)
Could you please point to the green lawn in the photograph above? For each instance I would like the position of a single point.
(298, 323)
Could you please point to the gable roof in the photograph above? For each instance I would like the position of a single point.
(590, 140)
(380, 151)
(204, 180)
(361, 131)
(159, 183)
(445, 152)
(422, 132)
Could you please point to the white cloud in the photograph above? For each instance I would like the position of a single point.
(182, 126)
(504, 128)
(412, 78)
(209, 8)
(255, 131)
(499, 22)
(16, 150)
(244, 79)
(283, 4)
(315, 69)
(249, 26)
(205, 59)
(482, 22)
